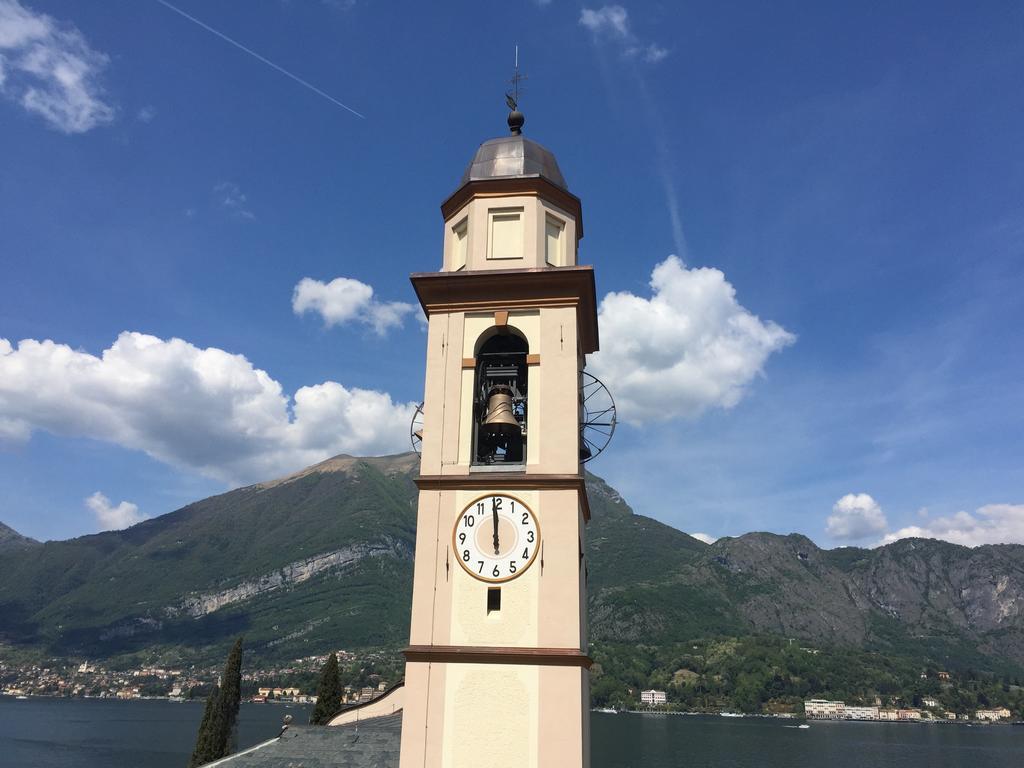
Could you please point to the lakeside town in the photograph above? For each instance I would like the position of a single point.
(292, 683)
(279, 685)
(824, 709)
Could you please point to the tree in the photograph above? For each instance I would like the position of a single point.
(205, 750)
(217, 731)
(231, 696)
(328, 693)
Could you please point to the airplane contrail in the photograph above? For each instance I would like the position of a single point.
(255, 55)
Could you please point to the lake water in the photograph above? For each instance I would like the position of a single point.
(675, 741)
(76, 733)
(101, 733)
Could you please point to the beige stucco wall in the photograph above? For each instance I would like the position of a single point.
(544, 607)
(535, 211)
(499, 714)
(496, 715)
(388, 704)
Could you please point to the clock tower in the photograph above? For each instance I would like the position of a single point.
(497, 666)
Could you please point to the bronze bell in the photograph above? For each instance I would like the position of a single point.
(500, 419)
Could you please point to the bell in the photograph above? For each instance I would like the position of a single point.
(499, 419)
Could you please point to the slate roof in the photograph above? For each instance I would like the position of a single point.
(370, 744)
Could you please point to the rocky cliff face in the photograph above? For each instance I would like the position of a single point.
(292, 574)
(921, 592)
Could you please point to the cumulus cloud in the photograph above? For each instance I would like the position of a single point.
(610, 23)
(856, 516)
(991, 524)
(688, 347)
(344, 300)
(113, 518)
(49, 68)
(205, 410)
(706, 538)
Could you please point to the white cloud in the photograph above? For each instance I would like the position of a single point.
(706, 538)
(855, 516)
(611, 23)
(991, 524)
(610, 20)
(233, 199)
(689, 347)
(654, 53)
(146, 114)
(113, 518)
(49, 68)
(344, 300)
(204, 410)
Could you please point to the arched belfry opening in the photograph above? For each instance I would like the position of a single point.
(499, 400)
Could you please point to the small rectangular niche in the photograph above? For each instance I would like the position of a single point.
(505, 233)
(493, 599)
(460, 245)
(554, 241)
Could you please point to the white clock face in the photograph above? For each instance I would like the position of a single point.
(496, 538)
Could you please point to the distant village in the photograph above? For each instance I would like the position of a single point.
(93, 680)
(823, 709)
(930, 709)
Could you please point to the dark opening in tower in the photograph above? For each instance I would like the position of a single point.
(499, 400)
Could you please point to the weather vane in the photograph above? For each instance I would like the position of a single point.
(515, 117)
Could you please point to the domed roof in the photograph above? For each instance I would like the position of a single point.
(513, 157)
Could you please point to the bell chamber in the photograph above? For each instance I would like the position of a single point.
(499, 400)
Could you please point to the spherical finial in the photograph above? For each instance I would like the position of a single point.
(287, 719)
(516, 121)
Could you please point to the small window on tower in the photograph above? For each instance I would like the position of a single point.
(460, 244)
(493, 599)
(505, 233)
(554, 242)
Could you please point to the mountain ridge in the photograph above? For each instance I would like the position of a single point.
(10, 539)
(323, 557)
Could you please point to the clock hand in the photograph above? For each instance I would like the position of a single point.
(494, 517)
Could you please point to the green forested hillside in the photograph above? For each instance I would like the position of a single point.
(323, 559)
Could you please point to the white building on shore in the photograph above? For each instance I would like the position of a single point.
(860, 713)
(992, 714)
(653, 697)
(823, 709)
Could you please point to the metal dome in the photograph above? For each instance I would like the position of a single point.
(513, 157)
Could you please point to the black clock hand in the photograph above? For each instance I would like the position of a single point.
(494, 517)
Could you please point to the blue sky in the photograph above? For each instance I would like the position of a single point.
(842, 185)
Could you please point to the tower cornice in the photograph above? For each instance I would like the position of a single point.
(509, 481)
(501, 289)
(477, 654)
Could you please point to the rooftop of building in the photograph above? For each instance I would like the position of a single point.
(514, 157)
(369, 744)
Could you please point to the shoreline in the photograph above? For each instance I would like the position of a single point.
(802, 719)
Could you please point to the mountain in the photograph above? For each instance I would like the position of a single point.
(11, 540)
(323, 559)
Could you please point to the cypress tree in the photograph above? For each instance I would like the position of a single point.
(205, 750)
(231, 698)
(328, 693)
(218, 731)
